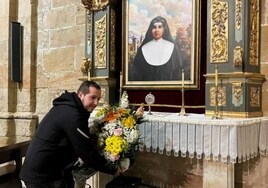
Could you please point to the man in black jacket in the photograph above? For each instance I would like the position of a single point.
(61, 138)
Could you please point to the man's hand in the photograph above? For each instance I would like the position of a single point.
(124, 165)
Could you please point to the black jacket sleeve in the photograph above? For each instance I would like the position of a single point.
(84, 145)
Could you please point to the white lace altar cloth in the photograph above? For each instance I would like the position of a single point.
(227, 139)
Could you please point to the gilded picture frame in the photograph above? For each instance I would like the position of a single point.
(182, 18)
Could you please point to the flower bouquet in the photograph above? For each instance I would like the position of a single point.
(119, 134)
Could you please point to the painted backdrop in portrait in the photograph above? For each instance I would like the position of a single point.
(175, 50)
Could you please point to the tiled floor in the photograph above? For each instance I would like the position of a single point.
(10, 181)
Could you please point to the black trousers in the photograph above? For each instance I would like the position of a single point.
(53, 184)
(66, 182)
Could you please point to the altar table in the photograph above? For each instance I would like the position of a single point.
(197, 135)
(221, 144)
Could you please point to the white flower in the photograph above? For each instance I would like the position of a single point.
(124, 100)
(132, 136)
(110, 127)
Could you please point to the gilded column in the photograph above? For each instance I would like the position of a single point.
(99, 62)
(234, 47)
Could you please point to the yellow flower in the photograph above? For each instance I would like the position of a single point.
(129, 122)
(115, 145)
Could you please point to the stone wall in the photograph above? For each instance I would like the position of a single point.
(53, 47)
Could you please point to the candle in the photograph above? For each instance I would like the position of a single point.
(216, 75)
(121, 84)
(182, 77)
(121, 80)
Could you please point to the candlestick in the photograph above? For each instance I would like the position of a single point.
(182, 85)
(182, 112)
(121, 84)
(121, 79)
(216, 111)
(89, 68)
(216, 76)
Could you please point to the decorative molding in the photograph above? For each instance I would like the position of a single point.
(85, 65)
(100, 43)
(219, 32)
(255, 96)
(238, 14)
(95, 5)
(237, 94)
(236, 114)
(89, 27)
(112, 41)
(254, 33)
(103, 98)
(221, 95)
(248, 75)
(238, 56)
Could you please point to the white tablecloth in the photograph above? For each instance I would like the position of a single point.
(196, 135)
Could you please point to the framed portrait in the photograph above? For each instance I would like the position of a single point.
(160, 44)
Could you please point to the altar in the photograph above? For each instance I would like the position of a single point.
(195, 135)
(221, 145)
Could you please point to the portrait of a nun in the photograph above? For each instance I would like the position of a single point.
(157, 58)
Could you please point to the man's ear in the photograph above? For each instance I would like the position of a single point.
(80, 94)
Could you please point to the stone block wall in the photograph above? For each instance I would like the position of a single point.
(53, 35)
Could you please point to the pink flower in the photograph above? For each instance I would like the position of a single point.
(115, 157)
(118, 131)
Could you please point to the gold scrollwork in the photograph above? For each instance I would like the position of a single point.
(254, 96)
(89, 28)
(238, 56)
(254, 32)
(100, 40)
(112, 41)
(219, 32)
(103, 96)
(237, 94)
(85, 65)
(221, 95)
(95, 5)
(238, 9)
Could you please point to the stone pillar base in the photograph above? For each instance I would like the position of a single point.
(218, 174)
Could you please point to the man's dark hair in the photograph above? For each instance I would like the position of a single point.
(84, 87)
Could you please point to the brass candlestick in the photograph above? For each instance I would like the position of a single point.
(216, 111)
(121, 84)
(182, 112)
